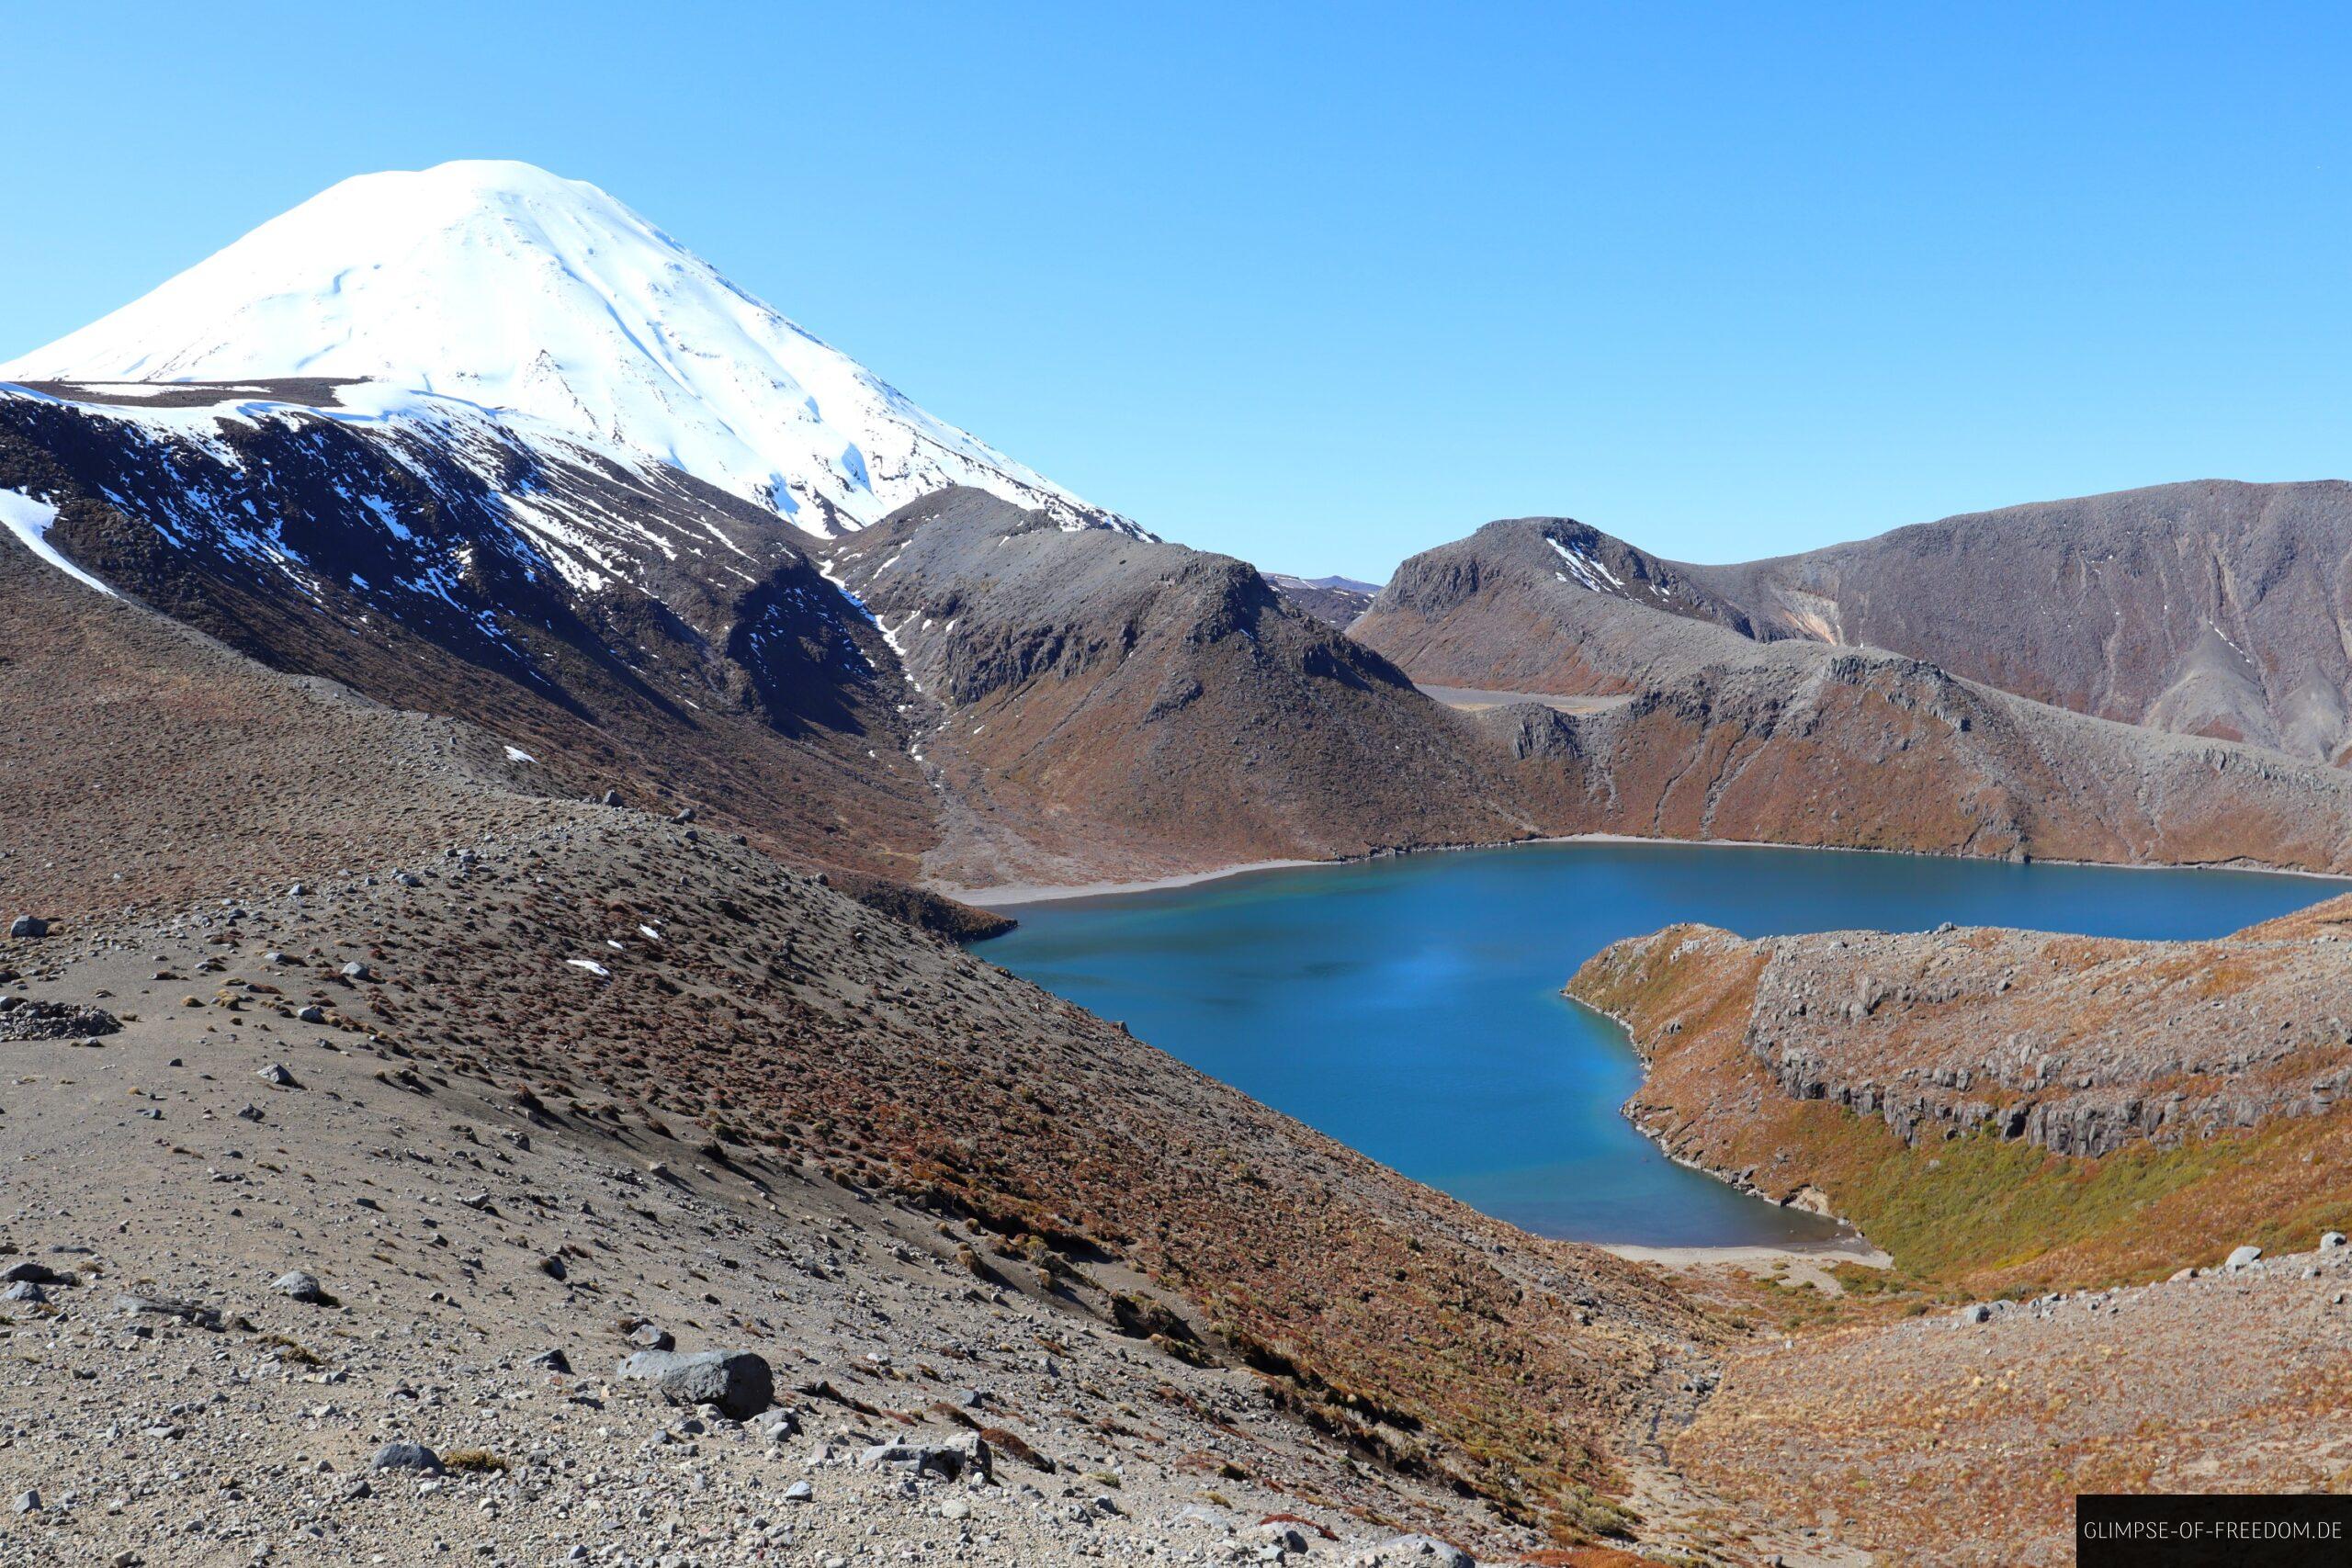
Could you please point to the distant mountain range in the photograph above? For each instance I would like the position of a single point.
(479, 441)
(1336, 601)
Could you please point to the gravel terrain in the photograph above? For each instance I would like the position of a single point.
(1964, 1437)
(169, 1400)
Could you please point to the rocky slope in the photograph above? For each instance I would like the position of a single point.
(1718, 734)
(552, 1066)
(1964, 1437)
(1090, 700)
(2103, 1137)
(1070, 704)
(2212, 608)
(1546, 604)
(2008, 1105)
(617, 629)
(1084, 703)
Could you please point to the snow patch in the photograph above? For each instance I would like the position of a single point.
(29, 520)
(1589, 570)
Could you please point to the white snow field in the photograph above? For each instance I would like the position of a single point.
(551, 304)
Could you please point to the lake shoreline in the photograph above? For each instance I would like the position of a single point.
(1853, 1250)
(1014, 894)
(1850, 1241)
(1011, 895)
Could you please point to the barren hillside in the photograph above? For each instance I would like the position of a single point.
(1787, 742)
(2210, 608)
(1095, 705)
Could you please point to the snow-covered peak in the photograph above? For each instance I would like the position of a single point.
(505, 286)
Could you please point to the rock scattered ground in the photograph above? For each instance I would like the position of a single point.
(392, 1129)
(1963, 1436)
(167, 1394)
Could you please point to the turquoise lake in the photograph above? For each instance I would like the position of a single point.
(1410, 1007)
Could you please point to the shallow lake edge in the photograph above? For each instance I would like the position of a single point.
(1015, 895)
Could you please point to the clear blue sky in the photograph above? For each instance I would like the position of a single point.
(1322, 286)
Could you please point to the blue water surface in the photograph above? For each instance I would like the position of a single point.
(1410, 1007)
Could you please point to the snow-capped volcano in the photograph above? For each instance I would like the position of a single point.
(548, 301)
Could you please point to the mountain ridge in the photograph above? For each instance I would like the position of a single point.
(2215, 607)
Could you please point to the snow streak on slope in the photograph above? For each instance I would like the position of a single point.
(501, 284)
(29, 520)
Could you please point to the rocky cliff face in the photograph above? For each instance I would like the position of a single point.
(1985, 1101)
(2071, 1044)
(2212, 608)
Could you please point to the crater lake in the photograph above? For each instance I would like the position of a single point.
(1411, 1006)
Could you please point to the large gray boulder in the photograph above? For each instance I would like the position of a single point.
(302, 1285)
(406, 1456)
(737, 1382)
(30, 1272)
